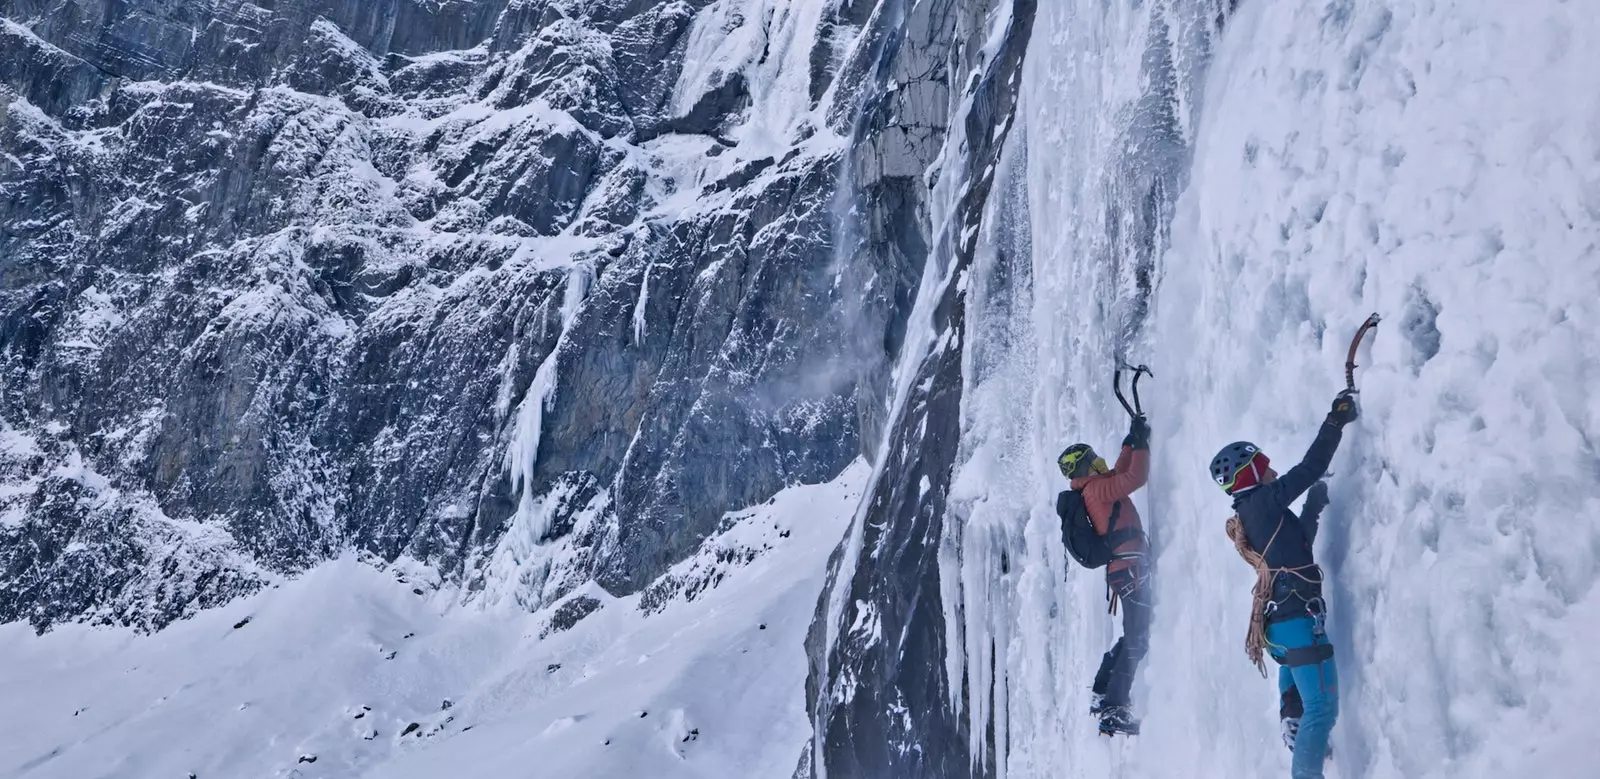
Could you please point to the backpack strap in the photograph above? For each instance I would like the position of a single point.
(1114, 537)
(1121, 537)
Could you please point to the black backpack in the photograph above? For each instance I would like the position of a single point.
(1089, 548)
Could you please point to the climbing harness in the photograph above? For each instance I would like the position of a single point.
(1255, 640)
(1350, 359)
(1139, 578)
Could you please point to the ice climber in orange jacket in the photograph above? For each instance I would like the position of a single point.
(1106, 495)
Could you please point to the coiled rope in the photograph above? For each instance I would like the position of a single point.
(1255, 640)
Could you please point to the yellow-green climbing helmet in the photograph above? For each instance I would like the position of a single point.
(1079, 460)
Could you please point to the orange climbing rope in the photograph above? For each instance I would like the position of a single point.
(1255, 641)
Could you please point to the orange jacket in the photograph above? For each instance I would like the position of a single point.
(1101, 491)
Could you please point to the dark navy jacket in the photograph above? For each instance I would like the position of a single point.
(1265, 513)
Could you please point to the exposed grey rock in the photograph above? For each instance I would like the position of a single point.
(729, 96)
(878, 694)
(648, 50)
(569, 65)
(280, 281)
(568, 614)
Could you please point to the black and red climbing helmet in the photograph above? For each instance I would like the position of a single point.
(1238, 467)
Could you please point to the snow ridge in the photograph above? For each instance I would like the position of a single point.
(366, 668)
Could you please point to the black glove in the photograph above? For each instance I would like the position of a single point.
(1344, 410)
(1138, 434)
(1311, 513)
(1316, 501)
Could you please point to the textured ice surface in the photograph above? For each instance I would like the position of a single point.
(1437, 163)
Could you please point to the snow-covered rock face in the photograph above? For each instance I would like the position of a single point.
(531, 291)
(547, 295)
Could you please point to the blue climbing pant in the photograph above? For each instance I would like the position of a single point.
(1293, 642)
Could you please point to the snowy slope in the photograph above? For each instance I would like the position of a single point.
(705, 683)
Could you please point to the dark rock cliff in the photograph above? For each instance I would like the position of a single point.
(879, 693)
(531, 291)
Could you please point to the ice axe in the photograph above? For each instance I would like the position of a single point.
(1137, 409)
(1350, 360)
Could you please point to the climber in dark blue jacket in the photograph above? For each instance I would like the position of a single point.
(1288, 615)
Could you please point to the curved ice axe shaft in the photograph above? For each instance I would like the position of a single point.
(1137, 409)
(1350, 359)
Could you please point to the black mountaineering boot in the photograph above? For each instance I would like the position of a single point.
(1118, 719)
